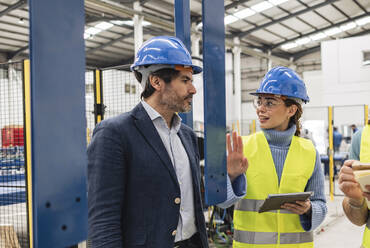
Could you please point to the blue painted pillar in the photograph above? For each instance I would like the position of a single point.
(214, 100)
(58, 124)
(182, 29)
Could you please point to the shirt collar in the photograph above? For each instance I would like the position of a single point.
(154, 115)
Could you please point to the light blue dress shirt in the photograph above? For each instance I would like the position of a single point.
(176, 151)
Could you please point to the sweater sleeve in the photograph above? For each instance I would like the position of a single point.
(235, 191)
(318, 200)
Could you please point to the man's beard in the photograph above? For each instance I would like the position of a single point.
(176, 103)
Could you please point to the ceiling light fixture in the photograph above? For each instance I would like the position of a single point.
(288, 46)
(259, 7)
(244, 13)
(318, 36)
(303, 41)
(332, 31)
(230, 19)
(363, 21)
(277, 2)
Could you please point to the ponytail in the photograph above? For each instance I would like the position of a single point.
(295, 118)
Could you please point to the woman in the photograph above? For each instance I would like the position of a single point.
(280, 162)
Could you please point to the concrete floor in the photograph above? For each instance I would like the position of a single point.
(336, 231)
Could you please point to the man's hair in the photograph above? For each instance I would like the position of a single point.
(335, 129)
(167, 75)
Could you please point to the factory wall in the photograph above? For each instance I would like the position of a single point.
(346, 79)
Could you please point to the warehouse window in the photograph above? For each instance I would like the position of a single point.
(366, 58)
(4, 73)
(127, 88)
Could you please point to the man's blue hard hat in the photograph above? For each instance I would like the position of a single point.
(164, 50)
(283, 81)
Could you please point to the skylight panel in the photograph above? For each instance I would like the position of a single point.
(129, 22)
(363, 21)
(348, 26)
(259, 7)
(104, 25)
(288, 46)
(303, 41)
(277, 2)
(318, 36)
(230, 19)
(244, 13)
(92, 30)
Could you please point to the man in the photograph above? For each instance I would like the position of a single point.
(143, 166)
(354, 204)
(337, 139)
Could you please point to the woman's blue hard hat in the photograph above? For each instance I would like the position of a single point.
(285, 82)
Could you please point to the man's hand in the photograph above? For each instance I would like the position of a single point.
(237, 163)
(300, 207)
(348, 184)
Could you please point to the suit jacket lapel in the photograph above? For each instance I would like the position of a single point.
(147, 129)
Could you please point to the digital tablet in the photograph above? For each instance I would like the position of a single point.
(275, 201)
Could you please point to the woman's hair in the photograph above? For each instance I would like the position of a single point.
(295, 118)
(166, 74)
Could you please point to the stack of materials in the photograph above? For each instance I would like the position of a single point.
(8, 237)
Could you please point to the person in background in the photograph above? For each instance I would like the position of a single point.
(280, 161)
(143, 165)
(354, 204)
(307, 135)
(354, 128)
(337, 139)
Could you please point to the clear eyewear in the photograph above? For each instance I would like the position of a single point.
(268, 103)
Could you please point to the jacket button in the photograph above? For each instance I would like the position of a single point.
(177, 200)
(174, 233)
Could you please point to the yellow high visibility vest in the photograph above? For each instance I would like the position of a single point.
(273, 229)
(365, 157)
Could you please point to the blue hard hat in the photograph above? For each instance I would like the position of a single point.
(164, 50)
(283, 81)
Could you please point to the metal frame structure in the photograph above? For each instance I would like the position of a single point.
(214, 101)
(261, 31)
(58, 146)
(57, 91)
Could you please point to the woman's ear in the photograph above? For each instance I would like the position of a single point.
(292, 109)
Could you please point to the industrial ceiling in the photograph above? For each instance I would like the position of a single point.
(284, 30)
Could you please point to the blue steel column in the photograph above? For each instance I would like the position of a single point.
(58, 122)
(182, 29)
(214, 100)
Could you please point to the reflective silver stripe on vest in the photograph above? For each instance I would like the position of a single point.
(254, 205)
(368, 223)
(263, 238)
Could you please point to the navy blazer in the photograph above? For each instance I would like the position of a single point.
(132, 185)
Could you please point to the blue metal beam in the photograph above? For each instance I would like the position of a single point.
(58, 125)
(182, 29)
(214, 100)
